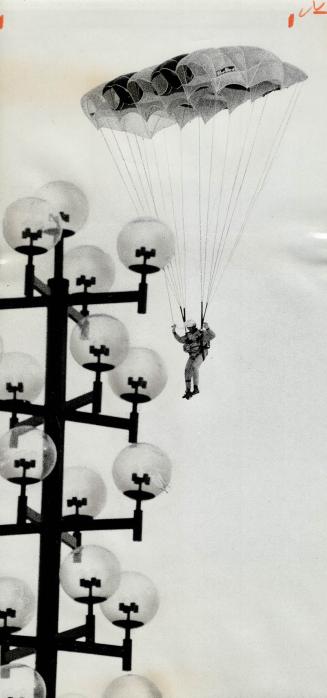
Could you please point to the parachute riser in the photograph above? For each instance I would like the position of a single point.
(203, 313)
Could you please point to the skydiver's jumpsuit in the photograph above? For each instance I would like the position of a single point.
(196, 344)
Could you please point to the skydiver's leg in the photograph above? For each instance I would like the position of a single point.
(188, 377)
(196, 364)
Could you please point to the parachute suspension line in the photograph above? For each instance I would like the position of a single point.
(227, 224)
(225, 228)
(183, 217)
(144, 170)
(266, 170)
(113, 157)
(168, 295)
(222, 179)
(278, 138)
(246, 168)
(150, 179)
(168, 269)
(173, 282)
(127, 169)
(164, 205)
(271, 157)
(178, 254)
(209, 199)
(142, 188)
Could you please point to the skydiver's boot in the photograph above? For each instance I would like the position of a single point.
(196, 390)
(188, 392)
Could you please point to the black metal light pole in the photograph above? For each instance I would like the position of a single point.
(54, 425)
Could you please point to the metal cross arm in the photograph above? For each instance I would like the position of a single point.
(19, 529)
(73, 633)
(100, 524)
(22, 407)
(103, 420)
(133, 523)
(138, 296)
(80, 401)
(103, 297)
(23, 302)
(18, 646)
(123, 651)
(41, 287)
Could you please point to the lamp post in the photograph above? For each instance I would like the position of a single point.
(100, 344)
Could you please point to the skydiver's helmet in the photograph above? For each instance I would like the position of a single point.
(190, 325)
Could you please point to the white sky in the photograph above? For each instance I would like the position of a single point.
(237, 548)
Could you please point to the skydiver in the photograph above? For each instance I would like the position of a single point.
(196, 343)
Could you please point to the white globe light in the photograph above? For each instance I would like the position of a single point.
(86, 486)
(31, 217)
(144, 367)
(23, 372)
(21, 446)
(20, 681)
(99, 342)
(134, 588)
(17, 602)
(66, 198)
(150, 234)
(91, 263)
(142, 459)
(90, 562)
(132, 686)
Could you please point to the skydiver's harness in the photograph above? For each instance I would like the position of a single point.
(196, 346)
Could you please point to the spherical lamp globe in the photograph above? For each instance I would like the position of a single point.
(69, 202)
(99, 342)
(145, 464)
(17, 604)
(140, 377)
(134, 590)
(88, 267)
(90, 567)
(26, 453)
(145, 240)
(132, 686)
(31, 226)
(20, 681)
(21, 376)
(84, 488)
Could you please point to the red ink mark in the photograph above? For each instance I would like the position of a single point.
(2, 21)
(317, 10)
(302, 13)
(291, 21)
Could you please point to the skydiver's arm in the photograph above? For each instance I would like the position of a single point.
(180, 339)
(210, 334)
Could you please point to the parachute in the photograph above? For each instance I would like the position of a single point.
(193, 140)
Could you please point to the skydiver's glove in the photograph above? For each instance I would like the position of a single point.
(205, 326)
(173, 327)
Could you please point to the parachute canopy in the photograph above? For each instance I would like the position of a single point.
(185, 136)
